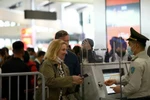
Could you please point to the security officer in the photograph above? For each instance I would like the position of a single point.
(136, 82)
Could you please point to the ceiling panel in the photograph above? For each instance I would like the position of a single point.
(18, 12)
(7, 3)
(73, 1)
(41, 3)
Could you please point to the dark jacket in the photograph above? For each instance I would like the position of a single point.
(14, 65)
(92, 57)
(72, 62)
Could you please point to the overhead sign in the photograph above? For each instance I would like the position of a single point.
(31, 14)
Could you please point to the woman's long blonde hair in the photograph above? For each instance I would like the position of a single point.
(53, 49)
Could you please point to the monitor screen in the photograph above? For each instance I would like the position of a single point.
(111, 74)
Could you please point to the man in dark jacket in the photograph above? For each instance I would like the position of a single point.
(71, 59)
(15, 65)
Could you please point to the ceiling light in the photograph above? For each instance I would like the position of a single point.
(52, 9)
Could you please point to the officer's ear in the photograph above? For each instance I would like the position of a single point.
(138, 44)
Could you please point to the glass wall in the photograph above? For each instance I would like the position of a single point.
(120, 16)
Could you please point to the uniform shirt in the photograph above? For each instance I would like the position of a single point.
(137, 82)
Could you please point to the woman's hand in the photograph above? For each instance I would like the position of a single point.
(77, 79)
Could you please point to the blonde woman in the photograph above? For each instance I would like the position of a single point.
(56, 73)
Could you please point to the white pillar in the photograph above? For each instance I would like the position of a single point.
(30, 5)
(145, 22)
(100, 24)
(100, 27)
(60, 13)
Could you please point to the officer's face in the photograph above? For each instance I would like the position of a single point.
(133, 45)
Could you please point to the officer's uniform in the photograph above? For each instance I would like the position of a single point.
(137, 82)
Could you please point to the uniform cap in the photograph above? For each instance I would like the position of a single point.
(135, 36)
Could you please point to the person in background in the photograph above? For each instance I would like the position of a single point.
(32, 53)
(106, 59)
(2, 57)
(69, 47)
(2, 61)
(32, 67)
(148, 51)
(118, 49)
(6, 53)
(39, 59)
(56, 73)
(136, 82)
(77, 51)
(31, 64)
(88, 53)
(15, 65)
(71, 59)
(124, 54)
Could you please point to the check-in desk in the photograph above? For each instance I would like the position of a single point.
(94, 87)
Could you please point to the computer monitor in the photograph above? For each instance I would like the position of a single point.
(111, 74)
